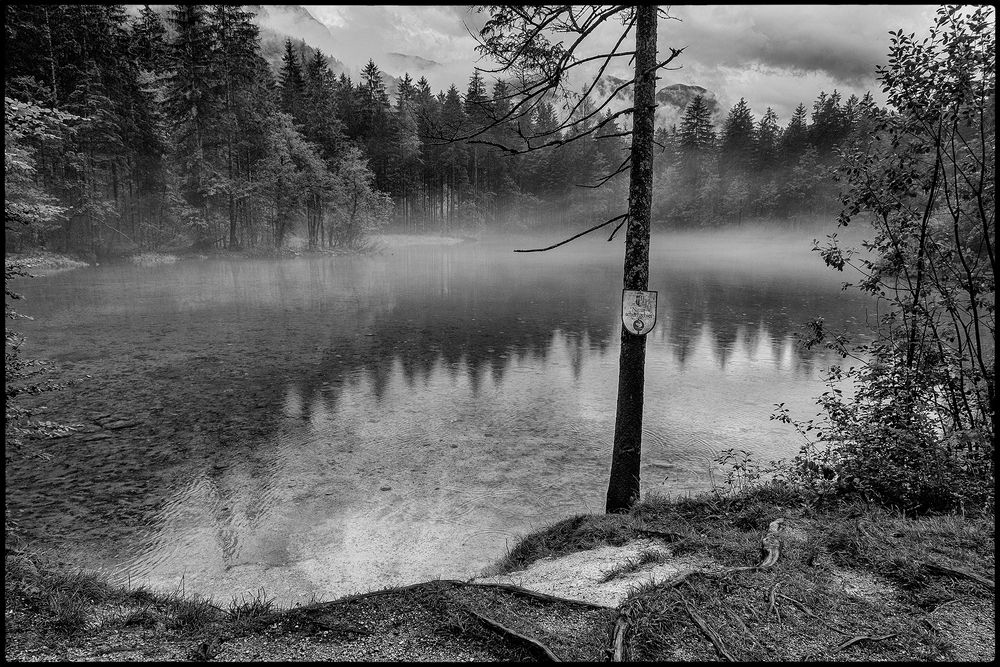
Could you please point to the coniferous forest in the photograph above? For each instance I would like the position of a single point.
(169, 129)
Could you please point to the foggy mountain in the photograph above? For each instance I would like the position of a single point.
(671, 100)
(278, 22)
(415, 65)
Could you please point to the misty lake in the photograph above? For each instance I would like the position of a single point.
(325, 425)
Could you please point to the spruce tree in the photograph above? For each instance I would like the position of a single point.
(149, 41)
(291, 84)
(766, 146)
(191, 106)
(795, 138)
(696, 131)
(737, 145)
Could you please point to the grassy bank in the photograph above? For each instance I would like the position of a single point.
(852, 582)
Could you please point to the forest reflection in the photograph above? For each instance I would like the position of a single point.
(478, 323)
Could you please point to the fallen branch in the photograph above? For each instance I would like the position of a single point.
(707, 631)
(533, 645)
(862, 638)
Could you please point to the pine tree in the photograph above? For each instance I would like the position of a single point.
(100, 144)
(291, 84)
(235, 54)
(374, 106)
(696, 145)
(477, 114)
(405, 92)
(321, 125)
(737, 143)
(795, 138)
(455, 175)
(828, 122)
(376, 98)
(766, 146)
(191, 107)
(696, 131)
(406, 149)
(149, 41)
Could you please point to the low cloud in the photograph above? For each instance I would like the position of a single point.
(772, 55)
(844, 42)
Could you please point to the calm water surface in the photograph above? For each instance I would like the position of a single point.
(326, 425)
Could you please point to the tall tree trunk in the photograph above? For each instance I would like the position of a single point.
(53, 93)
(232, 197)
(623, 487)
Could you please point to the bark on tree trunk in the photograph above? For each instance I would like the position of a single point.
(623, 487)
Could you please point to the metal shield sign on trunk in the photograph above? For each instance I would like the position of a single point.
(638, 311)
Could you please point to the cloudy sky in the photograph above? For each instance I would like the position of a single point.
(772, 55)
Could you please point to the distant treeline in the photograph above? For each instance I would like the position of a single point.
(754, 168)
(173, 130)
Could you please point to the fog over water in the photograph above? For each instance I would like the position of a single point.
(325, 425)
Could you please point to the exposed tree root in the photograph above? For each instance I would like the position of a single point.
(531, 644)
(770, 545)
(517, 590)
(810, 614)
(772, 603)
(802, 607)
(743, 626)
(618, 650)
(958, 572)
(770, 552)
(862, 638)
(770, 549)
(707, 631)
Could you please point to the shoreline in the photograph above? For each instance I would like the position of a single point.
(845, 581)
(44, 260)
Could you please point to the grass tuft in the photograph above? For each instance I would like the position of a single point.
(246, 608)
(190, 614)
(636, 563)
(578, 533)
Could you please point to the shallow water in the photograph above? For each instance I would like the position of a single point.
(326, 425)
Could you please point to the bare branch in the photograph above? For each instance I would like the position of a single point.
(607, 178)
(615, 231)
(576, 236)
(530, 93)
